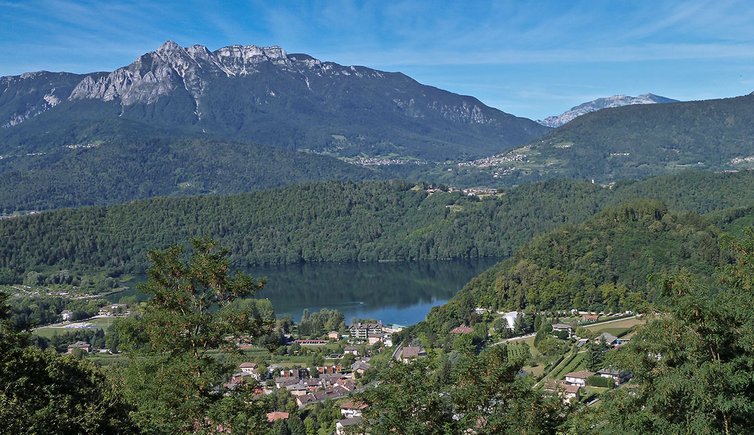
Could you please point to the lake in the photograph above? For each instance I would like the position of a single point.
(394, 292)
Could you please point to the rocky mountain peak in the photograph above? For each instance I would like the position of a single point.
(169, 47)
(171, 66)
(602, 103)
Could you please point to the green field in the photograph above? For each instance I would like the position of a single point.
(50, 331)
(618, 326)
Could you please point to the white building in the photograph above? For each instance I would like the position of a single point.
(578, 378)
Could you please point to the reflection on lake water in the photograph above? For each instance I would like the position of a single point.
(401, 293)
(395, 292)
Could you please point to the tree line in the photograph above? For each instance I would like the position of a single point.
(336, 221)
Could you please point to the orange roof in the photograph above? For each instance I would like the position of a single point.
(463, 329)
(277, 415)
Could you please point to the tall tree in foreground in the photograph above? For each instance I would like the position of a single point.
(196, 306)
(693, 367)
(460, 393)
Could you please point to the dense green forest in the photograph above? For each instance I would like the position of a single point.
(126, 169)
(612, 263)
(333, 221)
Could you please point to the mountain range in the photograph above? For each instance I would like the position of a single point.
(256, 94)
(187, 120)
(602, 103)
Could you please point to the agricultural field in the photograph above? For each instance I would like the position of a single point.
(518, 351)
(616, 327)
(96, 323)
(572, 364)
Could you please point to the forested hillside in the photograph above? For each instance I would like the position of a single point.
(128, 167)
(612, 263)
(688, 357)
(339, 222)
(637, 141)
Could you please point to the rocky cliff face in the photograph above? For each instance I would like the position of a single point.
(171, 66)
(271, 97)
(30, 94)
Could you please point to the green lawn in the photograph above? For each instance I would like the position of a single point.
(535, 371)
(616, 331)
(49, 332)
(620, 324)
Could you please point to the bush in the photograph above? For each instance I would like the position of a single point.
(599, 381)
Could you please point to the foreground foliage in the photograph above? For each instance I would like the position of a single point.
(693, 370)
(460, 392)
(42, 392)
(196, 306)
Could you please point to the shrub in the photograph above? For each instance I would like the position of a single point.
(599, 381)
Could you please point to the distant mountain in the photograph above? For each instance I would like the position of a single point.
(602, 103)
(635, 141)
(186, 120)
(256, 94)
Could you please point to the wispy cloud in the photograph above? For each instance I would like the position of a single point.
(466, 46)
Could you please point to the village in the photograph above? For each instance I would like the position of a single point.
(315, 366)
(327, 369)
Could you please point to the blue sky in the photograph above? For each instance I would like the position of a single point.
(531, 59)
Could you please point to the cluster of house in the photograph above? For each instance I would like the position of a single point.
(114, 310)
(586, 316)
(318, 389)
(307, 385)
(329, 382)
(606, 337)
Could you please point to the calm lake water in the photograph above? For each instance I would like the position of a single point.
(395, 292)
(401, 293)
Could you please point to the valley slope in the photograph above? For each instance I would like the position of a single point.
(387, 220)
(633, 142)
